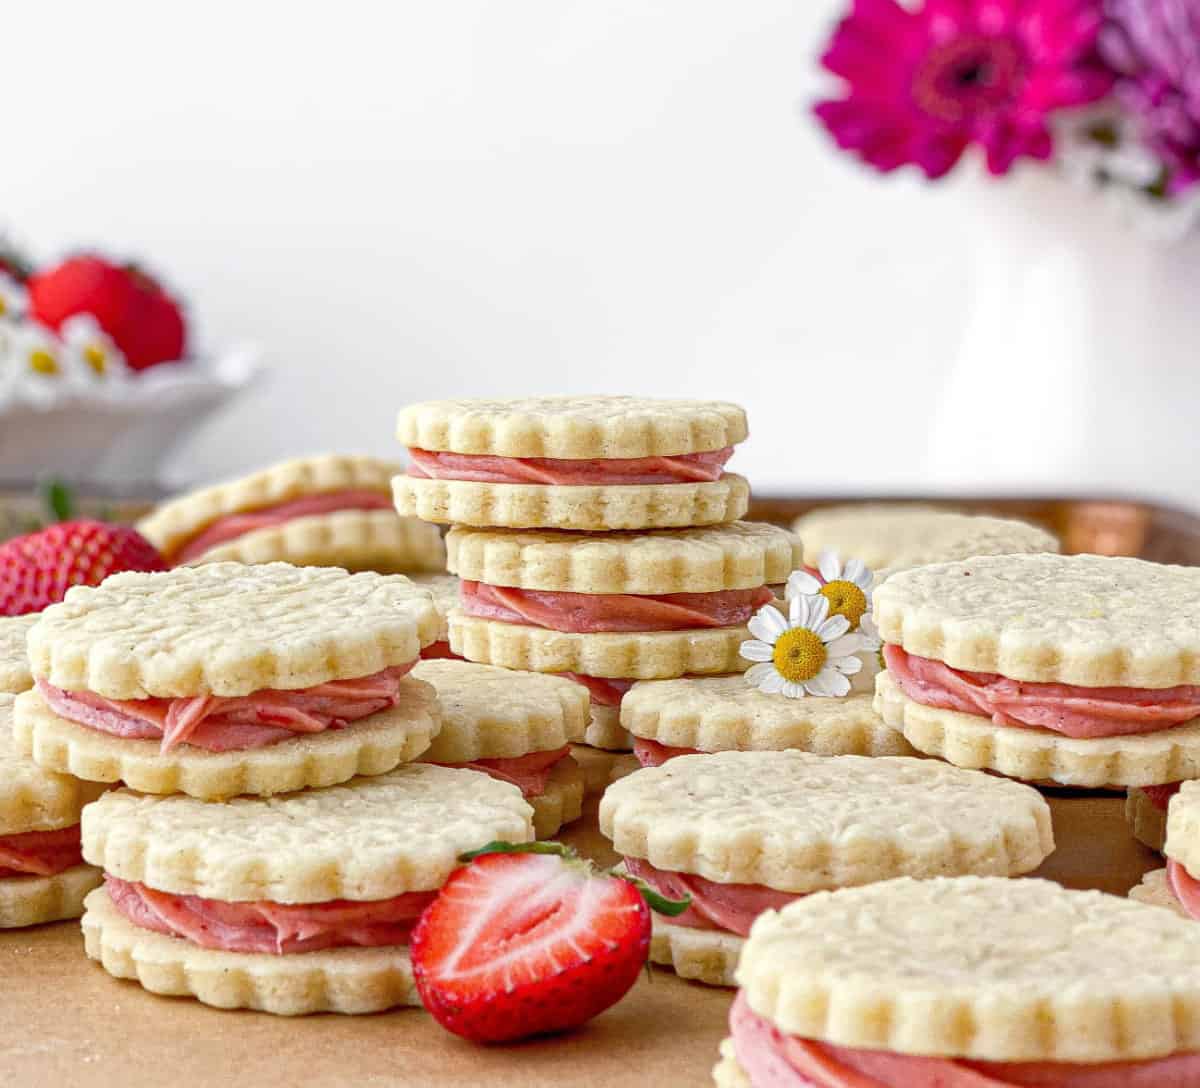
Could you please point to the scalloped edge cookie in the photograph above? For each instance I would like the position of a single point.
(1039, 755)
(342, 980)
(561, 803)
(647, 655)
(605, 730)
(573, 427)
(709, 559)
(716, 714)
(15, 676)
(1154, 891)
(727, 1073)
(601, 768)
(701, 955)
(370, 746)
(1146, 820)
(580, 507)
(1183, 825)
(35, 900)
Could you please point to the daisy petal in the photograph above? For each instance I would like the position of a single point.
(818, 612)
(772, 684)
(756, 673)
(857, 572)
(754, 649)
(830, 565)
(793, 690)
(832, 628)
(801, 582)
(768, 624)
(848, 666)
(845, 645)
(828, 683)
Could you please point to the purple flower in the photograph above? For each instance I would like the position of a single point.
(925, 84)
(1154, 45)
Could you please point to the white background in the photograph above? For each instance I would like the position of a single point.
(481, 197)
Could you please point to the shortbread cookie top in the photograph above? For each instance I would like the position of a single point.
(984, 969)
(740, 555)
(32, 799)
(901, 535)
(718, 713)
(1082, 619)
(803, 823)
(173, 523)
(372, 838)
(493, 713)
(573, 428)
(1183, 828)
(229, 629)
(443, 587)
(14, 662)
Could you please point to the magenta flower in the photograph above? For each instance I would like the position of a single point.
(925, 84)
(1155, 47)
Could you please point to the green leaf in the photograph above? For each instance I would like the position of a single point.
(58, 499)
(656, 901)
(556, 848)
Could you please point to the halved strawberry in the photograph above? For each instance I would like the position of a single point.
(528, 941)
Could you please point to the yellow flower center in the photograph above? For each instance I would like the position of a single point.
(3, 306)
(42, 362)
(94, 356)
(799, 654)
(845, 599)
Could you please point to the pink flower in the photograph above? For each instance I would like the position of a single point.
(925, 84)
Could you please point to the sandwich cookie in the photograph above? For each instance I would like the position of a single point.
(975, 982)
(747, 832)
(444, 589)
(327, 511)
(892, 537)
(14, 662)
(669, 718)
(516, 727)
(1082, 670)
(296, 904)
(601, 768)
(42, 874)
(588, 463)
(225, 679)
(1178, 885)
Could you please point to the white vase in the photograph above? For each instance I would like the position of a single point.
(1079, 368)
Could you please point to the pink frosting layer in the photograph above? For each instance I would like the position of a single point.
(529, 773)
(731, 907)
(774, 1060)
(591, 612)
(686, 468)
(601, 691)
(1079, 712)
(40, 853)
(275, 928)
(1185, 887)
(232, 526)
(652, 754)
(439, 650)
(220, 724)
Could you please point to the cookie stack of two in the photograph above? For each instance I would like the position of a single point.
(275, 842)
(595, 538)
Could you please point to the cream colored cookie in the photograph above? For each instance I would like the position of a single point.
(1183, 825)
(345, 980)
(33, 799)
(1147, 821)
(372, 838)
(368, 746)
(1154, 891)
(561, 803)
(35, 900)
(444, 588)
(229, 629)
(979, 968)
(646, 655)
(703, 955)
(600, 768)
(1040, 755)
(491, 713)
(170, 526)
(604, 730)
(801, 823)
(728, 1073)
(587, 507)
(741, 555)
(573, 428)
(14, 662)
(1090, 620)
(355, 540)
(720, 713)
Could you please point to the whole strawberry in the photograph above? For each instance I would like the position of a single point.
(528, 940)
(37, 570)
(144, 321)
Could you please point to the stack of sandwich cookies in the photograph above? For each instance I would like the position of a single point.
(444, 590)
(979, 982)
(225, 679)
(516, 727)
(1079, 670)
(746, 832)
(1178, 885)
(14, 662)
(42, 874)
(586, 463)
(290, 905)
(328, 511)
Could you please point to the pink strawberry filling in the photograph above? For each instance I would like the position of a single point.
(652, 754)
(232, 526)
(731, 907)
(439, 650)
(40, 853)
(772, 1059)
(223, 724)
(1185, 887)
(278, 929)
(685, 468)
(1160, 796)
(592, 612)
(1078, 712)
(601, 691)
(529, 773)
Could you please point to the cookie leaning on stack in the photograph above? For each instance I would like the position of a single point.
(444, 590)
(14, 661)
(1177, 887)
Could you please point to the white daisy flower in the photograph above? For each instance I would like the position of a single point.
(808, 653)
(97, 354)
(13, 298)
(847, 588)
